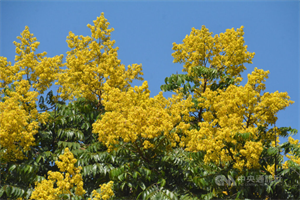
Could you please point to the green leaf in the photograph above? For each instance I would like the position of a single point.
(162, 182)
(142, 185)
(166, 80)
(272, 151)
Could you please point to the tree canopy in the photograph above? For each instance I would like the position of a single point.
(100, 137)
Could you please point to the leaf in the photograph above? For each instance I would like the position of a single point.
(166, 80)
(1, 191)
(179, 81)
(272, 151)
(285, 171)
(49, 98)
(162, 182)
(8, 190)
(142, 185)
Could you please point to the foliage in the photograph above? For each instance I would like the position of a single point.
(210, 140)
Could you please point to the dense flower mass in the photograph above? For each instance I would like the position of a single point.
(93, 61)
(19, 120)
(226, 52)
(39, 70)
(133, 115)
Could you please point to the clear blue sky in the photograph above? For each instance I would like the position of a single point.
(145, 31)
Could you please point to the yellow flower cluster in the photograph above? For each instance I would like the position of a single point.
(257, 78)
(226, 52)
(271, 169)
(45, 191)
(68, 177)
(7, 73)
(41, 71)
(251, 152)
(19, 121)
(18, 114)
(92, 62)
(106, 192)
(132, 115)
(238, 109)
(293, 141)
(291, 156)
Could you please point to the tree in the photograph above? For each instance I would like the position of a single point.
(195, 145)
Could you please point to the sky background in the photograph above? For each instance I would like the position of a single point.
(145, 31)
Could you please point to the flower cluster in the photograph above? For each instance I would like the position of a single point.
(92, 62)
(226, 52)
(251, 152)
(19, 120)
(39, 70)
(106, 192)
(7, 73)
(294, 157)
(68, 177)
(132, 115)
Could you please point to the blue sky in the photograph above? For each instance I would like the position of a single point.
(145, 31)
